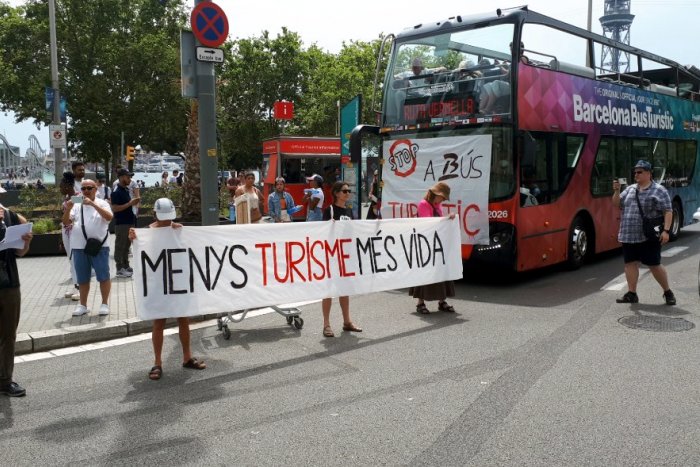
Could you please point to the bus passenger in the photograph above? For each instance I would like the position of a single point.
(164, 212)
(430, 206)
(338, 211)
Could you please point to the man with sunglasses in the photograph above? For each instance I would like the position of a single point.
(645, 198)
(90, 219)
(10, 301)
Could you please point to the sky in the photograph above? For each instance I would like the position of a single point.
(664, 27)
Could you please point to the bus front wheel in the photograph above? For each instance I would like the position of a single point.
(676, 222)
(579, 239)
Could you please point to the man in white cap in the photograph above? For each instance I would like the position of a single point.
(314, 197)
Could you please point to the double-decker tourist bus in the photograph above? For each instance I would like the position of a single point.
(530, 137)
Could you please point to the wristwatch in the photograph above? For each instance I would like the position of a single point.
(666, 230)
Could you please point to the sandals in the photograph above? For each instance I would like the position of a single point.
(349, 327)
(155, 373)
(194, 364)
(443, 306)
(422, 309)
(328, 332)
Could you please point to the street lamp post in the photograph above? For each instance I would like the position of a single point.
(57, 151)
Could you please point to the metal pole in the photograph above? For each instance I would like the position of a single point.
(589, 26)
(57, 152)
(208, 163)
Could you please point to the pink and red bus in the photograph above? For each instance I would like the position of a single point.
(530, 138)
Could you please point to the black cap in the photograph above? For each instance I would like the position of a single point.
(121, 172)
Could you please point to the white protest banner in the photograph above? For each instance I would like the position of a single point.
(199, 270)
(463, 162)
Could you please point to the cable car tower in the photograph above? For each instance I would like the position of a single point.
(616, 23)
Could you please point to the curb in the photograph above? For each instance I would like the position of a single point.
(41, 341)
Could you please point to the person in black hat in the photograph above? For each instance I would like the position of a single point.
(124, 219)
(644, 198)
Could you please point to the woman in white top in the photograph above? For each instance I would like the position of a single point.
(253, 199)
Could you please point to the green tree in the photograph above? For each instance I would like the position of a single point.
(258, 71)
(118, 65)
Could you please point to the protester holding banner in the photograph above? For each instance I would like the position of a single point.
(164, 212)
(338, 211)
(280, 202)
(430, 206)
(249, 202)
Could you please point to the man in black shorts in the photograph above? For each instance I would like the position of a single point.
(636, 247)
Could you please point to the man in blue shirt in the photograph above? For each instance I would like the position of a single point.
(124, 219)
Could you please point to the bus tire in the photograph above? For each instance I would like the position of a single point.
(676, 222)
(579, 243)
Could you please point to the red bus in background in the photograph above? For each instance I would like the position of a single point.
(298, 157)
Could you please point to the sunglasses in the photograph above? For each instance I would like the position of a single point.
(346, 191)
(87, 188)
(637, 172)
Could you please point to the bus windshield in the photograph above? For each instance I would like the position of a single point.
(450, 76)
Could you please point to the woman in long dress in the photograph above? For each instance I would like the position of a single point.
(431, 206)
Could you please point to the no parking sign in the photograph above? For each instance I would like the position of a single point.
(209, 24)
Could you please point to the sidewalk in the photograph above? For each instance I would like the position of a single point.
(46, 320)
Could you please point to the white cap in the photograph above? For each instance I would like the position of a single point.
(165, 209)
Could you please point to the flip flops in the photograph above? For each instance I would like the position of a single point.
(328, 332)
(194, 364)
(155, 373)
(350, 327)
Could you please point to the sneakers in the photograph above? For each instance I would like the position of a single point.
(104, 310)
(73, 293)
(80, 310)
(629, 297)
(13, 390)
(669, 297)
(124, 272)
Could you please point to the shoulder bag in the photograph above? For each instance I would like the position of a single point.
(92, 245)
(651, 226)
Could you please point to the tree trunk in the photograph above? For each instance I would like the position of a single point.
(191, 188)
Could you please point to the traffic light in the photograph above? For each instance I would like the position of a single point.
(130, 153)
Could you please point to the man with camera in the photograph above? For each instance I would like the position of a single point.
(89, 216)
(644, 199)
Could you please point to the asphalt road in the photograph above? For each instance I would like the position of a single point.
(537, 371)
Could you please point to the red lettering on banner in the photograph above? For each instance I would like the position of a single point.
(303, 262)
(404, 210)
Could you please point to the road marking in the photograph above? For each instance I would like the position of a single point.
(142, 337)
(620, 282)
(673, 251)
